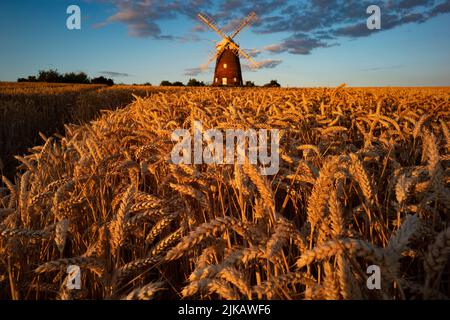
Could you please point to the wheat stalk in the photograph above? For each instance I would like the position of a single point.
(146, 292)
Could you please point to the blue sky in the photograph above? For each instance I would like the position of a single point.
(299, 43)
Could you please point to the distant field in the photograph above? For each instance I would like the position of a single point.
(363, 181)
(29, 108)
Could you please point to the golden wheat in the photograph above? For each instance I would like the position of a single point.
(363, 180)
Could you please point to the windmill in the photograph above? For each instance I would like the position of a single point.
(228, 67)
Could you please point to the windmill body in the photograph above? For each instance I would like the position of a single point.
(228, 66)
(228, 69)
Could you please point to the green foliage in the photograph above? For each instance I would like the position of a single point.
(273, 84)
(53, 76)
(166, 83)
(102, 80)
(73, 77)
(49, 76)
(195, 83)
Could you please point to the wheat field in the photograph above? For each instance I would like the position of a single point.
(363, 180)
(28, 108)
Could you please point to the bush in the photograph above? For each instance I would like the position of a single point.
(102, 80)
(195, 83)
(165, 83)
(49, 76)
(73, 77)
(273, 84)
(249, 84)
(29, 79)
(53, 76)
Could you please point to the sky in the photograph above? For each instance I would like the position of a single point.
(301, 43)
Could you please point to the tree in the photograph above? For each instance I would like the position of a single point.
(73, 77)
(178, 84)
(249, 84)
(195, 83)
(273, 84)
(49, 76)
(29, 79)
(103, 80)
(53, 76)
(165, 83)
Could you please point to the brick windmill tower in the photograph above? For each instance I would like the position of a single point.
(228, 66)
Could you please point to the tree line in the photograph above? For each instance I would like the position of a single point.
(53, 76)
(196, 83)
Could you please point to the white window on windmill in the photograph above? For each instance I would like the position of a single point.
(217, 80)
(225, 66)
(235, 80)
(224, 81)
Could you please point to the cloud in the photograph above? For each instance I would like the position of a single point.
(253, 52)
(306, 25)
(388, 22)
(269, 63)
(194, 71)
(231, 25)
(325, 21)
(141, 16)
(264, 64)
(440, 9)
(114, 74)
(297, 44)
(384, 68)
(408, 4)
